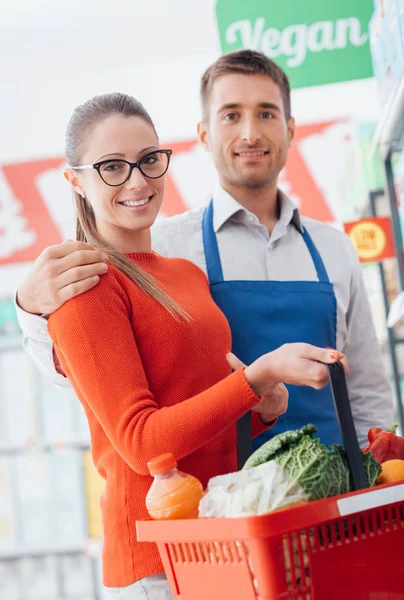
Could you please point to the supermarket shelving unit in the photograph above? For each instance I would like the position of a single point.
(74, 568)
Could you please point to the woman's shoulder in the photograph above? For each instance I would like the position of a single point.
(111, 285)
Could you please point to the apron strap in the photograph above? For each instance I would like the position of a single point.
(315, 255)
(215, 275)
(212, 256)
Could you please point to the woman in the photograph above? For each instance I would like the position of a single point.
(146, 348)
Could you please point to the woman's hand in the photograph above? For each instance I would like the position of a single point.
(274, 402)
(295, 364)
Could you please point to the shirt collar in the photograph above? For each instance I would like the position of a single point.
(225, 207)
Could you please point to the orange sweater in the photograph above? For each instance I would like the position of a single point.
(150, 384)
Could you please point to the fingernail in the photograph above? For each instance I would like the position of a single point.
(228, 351)
(334, 355)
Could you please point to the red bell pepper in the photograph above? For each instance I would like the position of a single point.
(385, 445)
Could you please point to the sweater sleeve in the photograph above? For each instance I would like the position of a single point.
(257, 426)
(96, 345)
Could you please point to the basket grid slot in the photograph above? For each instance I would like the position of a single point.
(297, 562)
(209, 552)
(345, 531)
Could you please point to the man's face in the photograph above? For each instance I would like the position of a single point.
(246, 130)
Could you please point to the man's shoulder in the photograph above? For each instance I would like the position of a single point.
(172, 234)
(330, 240)
(326, 231)
(185, 219)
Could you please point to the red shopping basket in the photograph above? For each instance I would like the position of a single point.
(349, 546)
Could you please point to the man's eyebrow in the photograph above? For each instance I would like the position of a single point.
(229, 105)
(233, 105)
(270, 105)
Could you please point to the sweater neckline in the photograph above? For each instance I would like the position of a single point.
(143, 256)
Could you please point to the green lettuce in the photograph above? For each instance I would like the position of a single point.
(372, 468)
(320, 471)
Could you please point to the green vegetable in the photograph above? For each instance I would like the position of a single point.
(332, 477)
(372, 468)
(320, 471)
(278, 444)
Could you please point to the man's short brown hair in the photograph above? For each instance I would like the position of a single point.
(246, 62)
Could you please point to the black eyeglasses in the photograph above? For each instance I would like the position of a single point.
(115, 172)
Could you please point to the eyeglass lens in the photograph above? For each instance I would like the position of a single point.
(115, 172)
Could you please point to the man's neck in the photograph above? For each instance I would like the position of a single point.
(262, 202)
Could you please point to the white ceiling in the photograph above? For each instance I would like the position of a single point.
(44, 36)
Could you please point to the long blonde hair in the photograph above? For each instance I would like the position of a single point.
(84, 118)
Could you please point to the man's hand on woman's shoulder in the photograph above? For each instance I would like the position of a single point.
(60, 273)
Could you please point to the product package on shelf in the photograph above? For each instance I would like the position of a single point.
(39, 578)
(8, 521)
(8, 317)
(57, 414)
(387, 47)
(67, 504)
(50, 498)
(33, 489)
(82, 430)
(10, 580)
(94, 485)
(76, 576)
(18, 427)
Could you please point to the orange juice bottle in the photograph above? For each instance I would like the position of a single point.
(173, 494)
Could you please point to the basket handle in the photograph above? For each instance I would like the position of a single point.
(244, 440)
(344, 414)
(346, 424)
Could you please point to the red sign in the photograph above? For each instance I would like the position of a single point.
(372, 238)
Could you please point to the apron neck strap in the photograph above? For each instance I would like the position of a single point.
(212, 256)
(316, 258)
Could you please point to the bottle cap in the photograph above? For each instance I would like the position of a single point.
(162, 463)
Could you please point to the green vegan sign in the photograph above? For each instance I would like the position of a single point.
(314, 41)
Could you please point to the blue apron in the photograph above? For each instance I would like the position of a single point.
(263, 315)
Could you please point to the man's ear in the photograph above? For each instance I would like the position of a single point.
(73, 179)
(291, 131)
(203, 135)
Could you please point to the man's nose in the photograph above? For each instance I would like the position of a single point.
(250, 132)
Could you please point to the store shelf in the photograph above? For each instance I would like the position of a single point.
(39, 552)
(389, 133)
(9, 342)
(37, 449)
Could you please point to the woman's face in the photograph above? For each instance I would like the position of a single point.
(131, 208)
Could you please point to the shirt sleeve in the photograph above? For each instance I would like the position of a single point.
(38, 344)
(368, 387)
(97, 347)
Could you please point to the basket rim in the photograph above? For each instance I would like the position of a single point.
(284, 520)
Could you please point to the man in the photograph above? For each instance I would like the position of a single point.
(278, 277)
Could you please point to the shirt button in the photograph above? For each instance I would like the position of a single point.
(270, 247)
